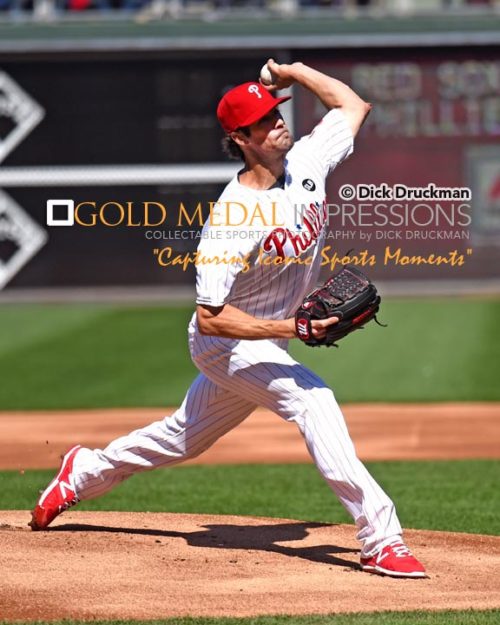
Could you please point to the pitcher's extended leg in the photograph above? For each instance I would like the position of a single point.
(206, 414)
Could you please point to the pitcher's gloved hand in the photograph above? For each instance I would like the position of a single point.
(349, 296)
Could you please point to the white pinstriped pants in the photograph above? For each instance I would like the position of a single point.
(236, 377)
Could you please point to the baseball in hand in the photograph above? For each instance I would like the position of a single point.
(266, 77)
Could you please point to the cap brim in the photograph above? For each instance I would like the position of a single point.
(256, 115)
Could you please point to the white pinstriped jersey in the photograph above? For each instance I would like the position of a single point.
(266, 265)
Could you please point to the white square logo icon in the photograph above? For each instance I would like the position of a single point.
(59, 206)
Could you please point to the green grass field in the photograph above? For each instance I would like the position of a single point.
(456, 496)
(445, 617)
(86, 356)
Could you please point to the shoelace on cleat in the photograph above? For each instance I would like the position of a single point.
(400, 550)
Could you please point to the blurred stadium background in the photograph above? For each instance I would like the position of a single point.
(113, 101)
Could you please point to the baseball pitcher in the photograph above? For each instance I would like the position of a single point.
(246, 313)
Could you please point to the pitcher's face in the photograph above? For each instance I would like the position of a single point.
(270, 133)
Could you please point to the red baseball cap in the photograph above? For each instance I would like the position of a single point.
(246, 104)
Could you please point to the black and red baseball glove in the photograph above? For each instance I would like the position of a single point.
(348, 295)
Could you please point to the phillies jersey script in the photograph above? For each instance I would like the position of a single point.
(236, 376)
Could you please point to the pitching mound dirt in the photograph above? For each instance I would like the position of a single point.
(116, 565)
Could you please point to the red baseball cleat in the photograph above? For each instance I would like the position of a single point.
(395, 560)
(58, 496)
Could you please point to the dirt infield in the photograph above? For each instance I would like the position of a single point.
(141, 565)
(380, 432)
